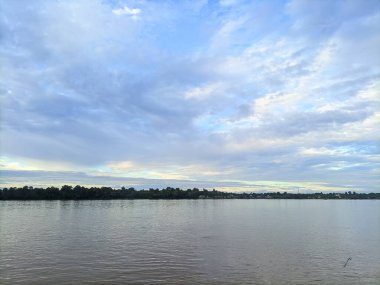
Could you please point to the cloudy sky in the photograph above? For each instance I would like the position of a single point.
(236, 95)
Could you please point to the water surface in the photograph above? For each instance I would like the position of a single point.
(190, 242)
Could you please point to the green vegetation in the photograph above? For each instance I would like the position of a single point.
(81, 193)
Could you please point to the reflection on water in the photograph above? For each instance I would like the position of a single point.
(189, 241)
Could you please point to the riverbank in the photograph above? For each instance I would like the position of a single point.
(78, 192)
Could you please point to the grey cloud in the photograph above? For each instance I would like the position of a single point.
(88, 88)
(297, 123)
(54, 178)
(326, 16)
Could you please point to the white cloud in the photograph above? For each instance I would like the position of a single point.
(126, 11)
(193, 90)
(228, 2)
(325, 151)
(204, 91)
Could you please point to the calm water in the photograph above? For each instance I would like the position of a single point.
(189, 242)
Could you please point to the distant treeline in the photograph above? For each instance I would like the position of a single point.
(81, 193)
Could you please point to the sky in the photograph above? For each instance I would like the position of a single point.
(233, 95)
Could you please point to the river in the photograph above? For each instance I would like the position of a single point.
(190, 242)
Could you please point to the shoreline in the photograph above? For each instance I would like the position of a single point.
(107, 193)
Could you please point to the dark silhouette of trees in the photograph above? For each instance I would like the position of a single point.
(67, 192)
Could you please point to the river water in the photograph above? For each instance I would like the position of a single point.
(190, 242)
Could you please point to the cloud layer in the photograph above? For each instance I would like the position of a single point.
(203, 91)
